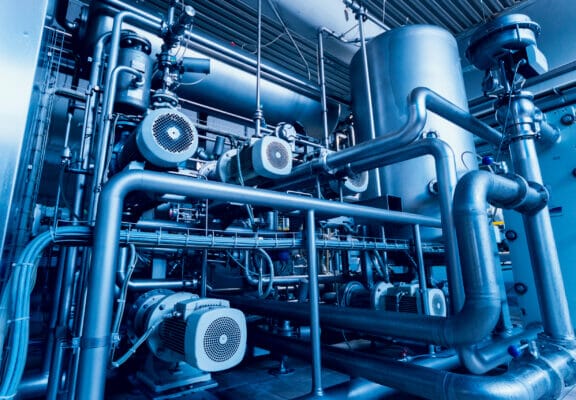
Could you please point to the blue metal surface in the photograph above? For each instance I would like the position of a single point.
(21, 26)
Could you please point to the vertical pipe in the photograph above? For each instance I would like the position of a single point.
(543, 253)
(101, 151)
(258, 114)
(95, 340)
(360, 15)
(65, 288)
(322, 82)
(421, 269)
(204, 281)
(63, 162)
(55, 309)
(101, 141)
(314, 304)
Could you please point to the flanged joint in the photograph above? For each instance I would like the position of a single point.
(518, 114)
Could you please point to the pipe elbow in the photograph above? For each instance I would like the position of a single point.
(473, 323)
(471, 358)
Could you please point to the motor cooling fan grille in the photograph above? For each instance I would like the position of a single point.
(277, 155)
(437, 305)
(222, 339)
(173, 133)
(358, 180)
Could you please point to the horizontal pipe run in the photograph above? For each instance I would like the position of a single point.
(379, 323)
(482, 305)
(420, 100)
(95, 341)
(529, 379)
(201, 43)
(162, 239)
(446, 176)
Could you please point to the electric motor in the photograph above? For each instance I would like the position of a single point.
(408, 298)
(205, 333)
(165, 138)
(269, 157)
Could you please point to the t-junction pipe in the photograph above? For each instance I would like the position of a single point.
(446, 176)
(482, 305)
(95, 341)
(420, 100)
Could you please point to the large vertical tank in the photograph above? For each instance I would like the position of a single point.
(399, 61)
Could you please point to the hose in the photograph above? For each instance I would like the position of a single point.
(15, 304)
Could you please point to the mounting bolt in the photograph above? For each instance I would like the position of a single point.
(567, 119)
(511, 235)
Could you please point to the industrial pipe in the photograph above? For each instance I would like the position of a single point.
(482, 303)
(322, 83)
(420, 100)
(542, 245)
(61, 16)
(95, 341)
(529, 379)
(484, 357)
(314, 301)
(101, 140)
(446, 177)
(279, 87)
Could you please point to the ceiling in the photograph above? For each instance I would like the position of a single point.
(291, 45)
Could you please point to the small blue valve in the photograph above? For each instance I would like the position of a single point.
(487, 160)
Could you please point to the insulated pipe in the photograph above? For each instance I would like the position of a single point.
(531, 379)
(543, 254)
(482, 304)
(446, 177)
(95, 341)
(481, 358)
(420, 100)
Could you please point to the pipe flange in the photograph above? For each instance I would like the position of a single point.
(324, 153)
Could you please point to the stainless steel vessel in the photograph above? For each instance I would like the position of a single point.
(400, 61)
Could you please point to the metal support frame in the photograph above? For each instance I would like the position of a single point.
(95, 341)
(21, 29)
